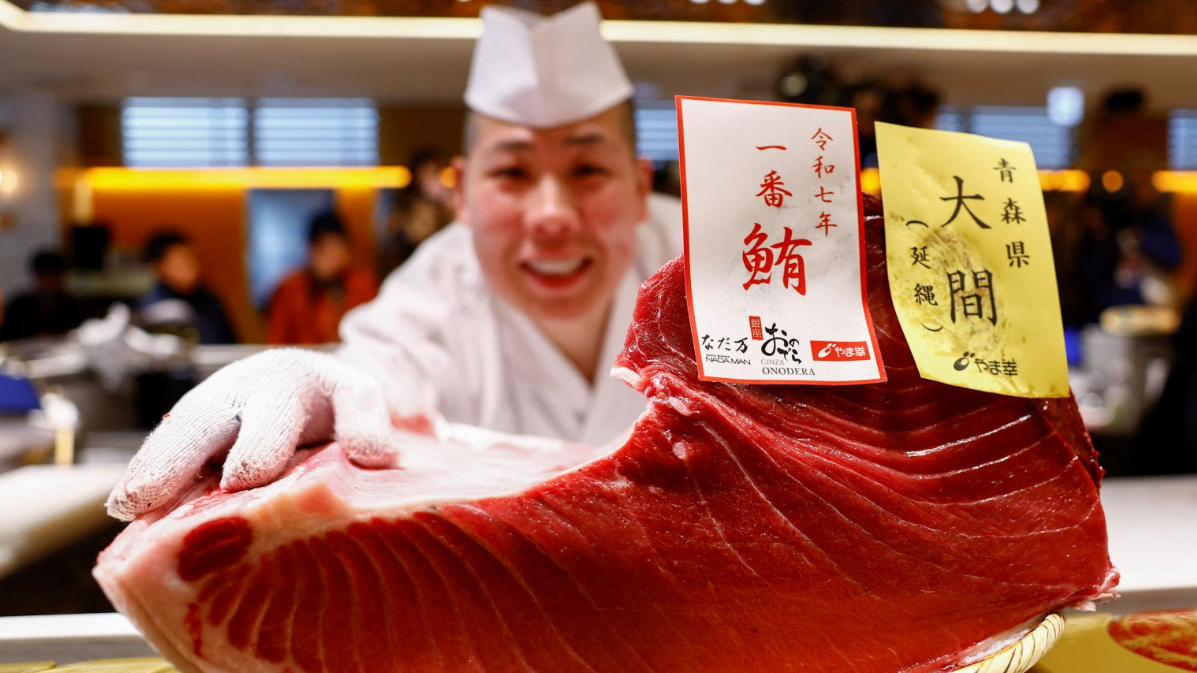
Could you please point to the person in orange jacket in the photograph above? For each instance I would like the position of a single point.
(308, 305)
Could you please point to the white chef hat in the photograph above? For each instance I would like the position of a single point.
(544, 72)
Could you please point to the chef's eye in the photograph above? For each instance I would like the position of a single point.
(509, 173)
(589, 170)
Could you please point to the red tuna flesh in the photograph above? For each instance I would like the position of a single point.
(898, 527)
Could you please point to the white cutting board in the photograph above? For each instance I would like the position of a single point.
(1152, 523)
(47, 507)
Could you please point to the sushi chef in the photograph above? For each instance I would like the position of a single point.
(509, 319)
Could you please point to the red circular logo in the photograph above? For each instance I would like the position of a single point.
(1167, 636)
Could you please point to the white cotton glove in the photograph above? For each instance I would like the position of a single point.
(264, 407)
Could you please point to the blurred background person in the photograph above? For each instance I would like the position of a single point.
(869, 100)
(46, 309)
(179, 301)
(914, 105)
(308, 305)
(1128, 246)
(421, 209)
(1166, 442)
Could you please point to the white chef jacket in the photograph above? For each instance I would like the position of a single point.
(438, 338)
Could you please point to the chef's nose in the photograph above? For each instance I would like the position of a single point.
(552, 209)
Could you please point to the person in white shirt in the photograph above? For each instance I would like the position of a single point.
(508, 320)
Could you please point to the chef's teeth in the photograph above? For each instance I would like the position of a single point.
(556, 267)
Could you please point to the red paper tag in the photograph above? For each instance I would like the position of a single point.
(775, 234)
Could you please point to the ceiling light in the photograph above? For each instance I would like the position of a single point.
(1027, 6)
(728, 2)
(142, 179)
(755, 2)
(977, 6)
(14, 18)
(793, 85)
(1112, 181)
(1065, 105)
(8, 182)
(1002, 6)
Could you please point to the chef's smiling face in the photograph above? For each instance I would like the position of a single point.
(554, 212)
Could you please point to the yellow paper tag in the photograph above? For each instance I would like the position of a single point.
(970, 261)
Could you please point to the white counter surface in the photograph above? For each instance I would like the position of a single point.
(69, 638)
(47, 507)
(1153, 540)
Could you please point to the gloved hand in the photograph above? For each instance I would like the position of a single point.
(264, 406)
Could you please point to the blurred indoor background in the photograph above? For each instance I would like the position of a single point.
(209, 149)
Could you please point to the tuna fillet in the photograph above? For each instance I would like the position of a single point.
(904, 526)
